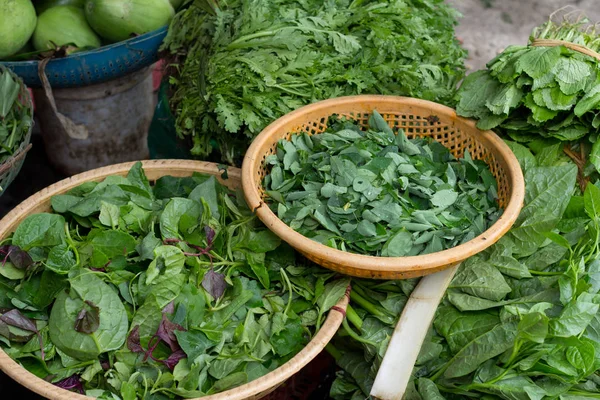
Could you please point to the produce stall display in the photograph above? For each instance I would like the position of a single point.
(120, 287)
(288, 54)
(521, 320)
(160, 282)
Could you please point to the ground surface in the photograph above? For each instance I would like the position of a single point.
(487, 27)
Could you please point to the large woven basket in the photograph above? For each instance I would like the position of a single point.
(418, 118)
(40, 202)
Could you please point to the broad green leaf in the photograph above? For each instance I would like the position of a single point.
(40, 230)
(484, 347)
(114, 243)
(113, 327)
(538, 61)
(459, 328)
(179, 216)
(61, 259)
(574, 318)
(194, 343)
(482, 280)
(428, 390)
(591, 198)
(109, 215)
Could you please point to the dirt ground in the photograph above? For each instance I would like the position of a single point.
(488, 26)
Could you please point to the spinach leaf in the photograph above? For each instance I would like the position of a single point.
(113, 325)
(40, 230)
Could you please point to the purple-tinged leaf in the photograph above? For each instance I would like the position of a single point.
(133, 340)
(15, 318)
(88, 319)
(166, 332)
(210, 235)
(174, 358)
(169, 308)
(70, 383)
(18, 320)
(152, 345)
(19, 258)
(105, 365)
(214, 283)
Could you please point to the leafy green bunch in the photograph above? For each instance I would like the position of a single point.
(16, 115)
(536, 91)
(519, 321)
(241, 64)
(376, 192)
(131, 291)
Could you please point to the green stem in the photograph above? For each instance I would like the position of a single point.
(11, 139)
(72, 244)
(235, 44)
(354, 335)
(353, 317)
(513, 355)
(289, 285)
(367, 305)
(543, 273)
(335, 353)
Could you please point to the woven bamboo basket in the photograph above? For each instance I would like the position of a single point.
(40, 202)
(10, 168)
(418, 118)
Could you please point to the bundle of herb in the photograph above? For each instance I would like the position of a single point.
(537, 91)
(243, 63)
(375, 192)
(16, 116)
(131, 291)
(520, 321)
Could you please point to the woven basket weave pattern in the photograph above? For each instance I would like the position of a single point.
(418, 118)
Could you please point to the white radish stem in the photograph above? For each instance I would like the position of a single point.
(405, 344)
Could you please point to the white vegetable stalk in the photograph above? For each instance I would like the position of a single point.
(405, 344)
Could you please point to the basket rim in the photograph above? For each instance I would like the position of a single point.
(175, 168)
(372, 266)
(82, 54)
(15, 161)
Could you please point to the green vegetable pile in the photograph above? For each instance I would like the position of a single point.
(175, 290)
(16, 115)
(379, 193)
(243, 63)
(528, 92)
(520, 321)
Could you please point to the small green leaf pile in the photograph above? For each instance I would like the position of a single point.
(529, 92)
(519, 321)
(16, 116)
(131, 291)
(243, 63)
(375, 192)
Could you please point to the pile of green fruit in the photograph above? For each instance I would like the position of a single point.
(28, 26)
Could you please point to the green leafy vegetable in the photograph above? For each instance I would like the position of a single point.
(378, 193)
(288, 54)
(519, 321)
(93, 301)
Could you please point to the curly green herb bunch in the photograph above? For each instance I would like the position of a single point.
(243, 63)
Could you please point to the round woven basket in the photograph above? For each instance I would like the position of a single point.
(11, 167)
(418, 118)
(40, 202)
